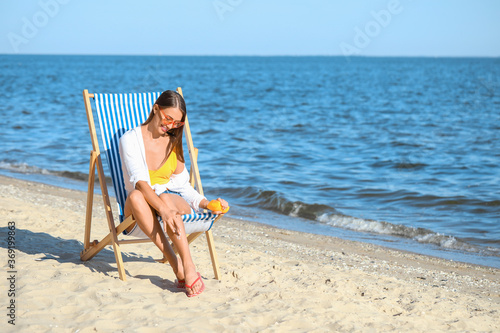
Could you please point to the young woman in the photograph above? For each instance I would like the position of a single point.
(153, 167)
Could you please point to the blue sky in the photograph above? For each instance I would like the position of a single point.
(252, 27)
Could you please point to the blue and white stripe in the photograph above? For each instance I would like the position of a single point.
(118, 113)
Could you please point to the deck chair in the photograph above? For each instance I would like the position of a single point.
(118, 113)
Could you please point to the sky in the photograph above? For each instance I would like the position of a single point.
(433, 28)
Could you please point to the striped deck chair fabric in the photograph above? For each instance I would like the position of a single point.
(117, 113)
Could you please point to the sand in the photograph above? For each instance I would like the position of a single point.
(273, 280)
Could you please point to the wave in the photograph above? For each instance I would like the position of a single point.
(400, 165)
(420, 235)
(25, 168)
(272, 200)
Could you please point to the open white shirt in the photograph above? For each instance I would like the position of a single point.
(135, 168)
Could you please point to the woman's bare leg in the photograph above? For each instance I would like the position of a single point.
(178, 204)
(137, 206)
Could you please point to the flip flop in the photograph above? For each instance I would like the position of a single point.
(192, 284)
(180, 284)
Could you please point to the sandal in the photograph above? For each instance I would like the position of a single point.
(191, 287)
(180, 284)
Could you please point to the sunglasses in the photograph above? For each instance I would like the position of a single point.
(167, 120)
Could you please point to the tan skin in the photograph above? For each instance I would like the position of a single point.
(144, 204)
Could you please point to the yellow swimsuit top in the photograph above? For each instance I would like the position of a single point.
(162, 175)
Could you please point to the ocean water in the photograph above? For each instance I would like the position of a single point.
(403, 152)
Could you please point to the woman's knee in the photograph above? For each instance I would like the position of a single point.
(136, 198)
(175, 202)
(168, 199)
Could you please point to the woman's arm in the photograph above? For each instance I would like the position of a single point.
(180, 183)
(168, 216)
(133, 165)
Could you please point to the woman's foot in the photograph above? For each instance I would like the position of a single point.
(180, 284)
(197, 285)
(194, 283)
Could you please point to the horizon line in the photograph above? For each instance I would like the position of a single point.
(249, 55)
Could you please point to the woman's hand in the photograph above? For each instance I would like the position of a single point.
(219, 206)
(171, 220)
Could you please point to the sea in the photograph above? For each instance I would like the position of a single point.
(396, 151)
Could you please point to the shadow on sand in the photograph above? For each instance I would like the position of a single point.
(68, 251)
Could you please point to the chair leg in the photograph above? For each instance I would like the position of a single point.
(95, 248)
(211, 248)
(90, 200)
(119, 261)
(213, 254)
(89, 253)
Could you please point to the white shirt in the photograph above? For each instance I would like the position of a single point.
(135, 168)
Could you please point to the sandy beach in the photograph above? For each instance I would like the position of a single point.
(272, 280)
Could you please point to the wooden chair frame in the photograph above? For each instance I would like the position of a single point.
(90, 249)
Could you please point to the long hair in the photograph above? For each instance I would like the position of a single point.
(172, 99)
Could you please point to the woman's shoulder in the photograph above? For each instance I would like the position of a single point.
(131, 134)
(133, 131)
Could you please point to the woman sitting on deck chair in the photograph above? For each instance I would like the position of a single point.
(152, 162)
